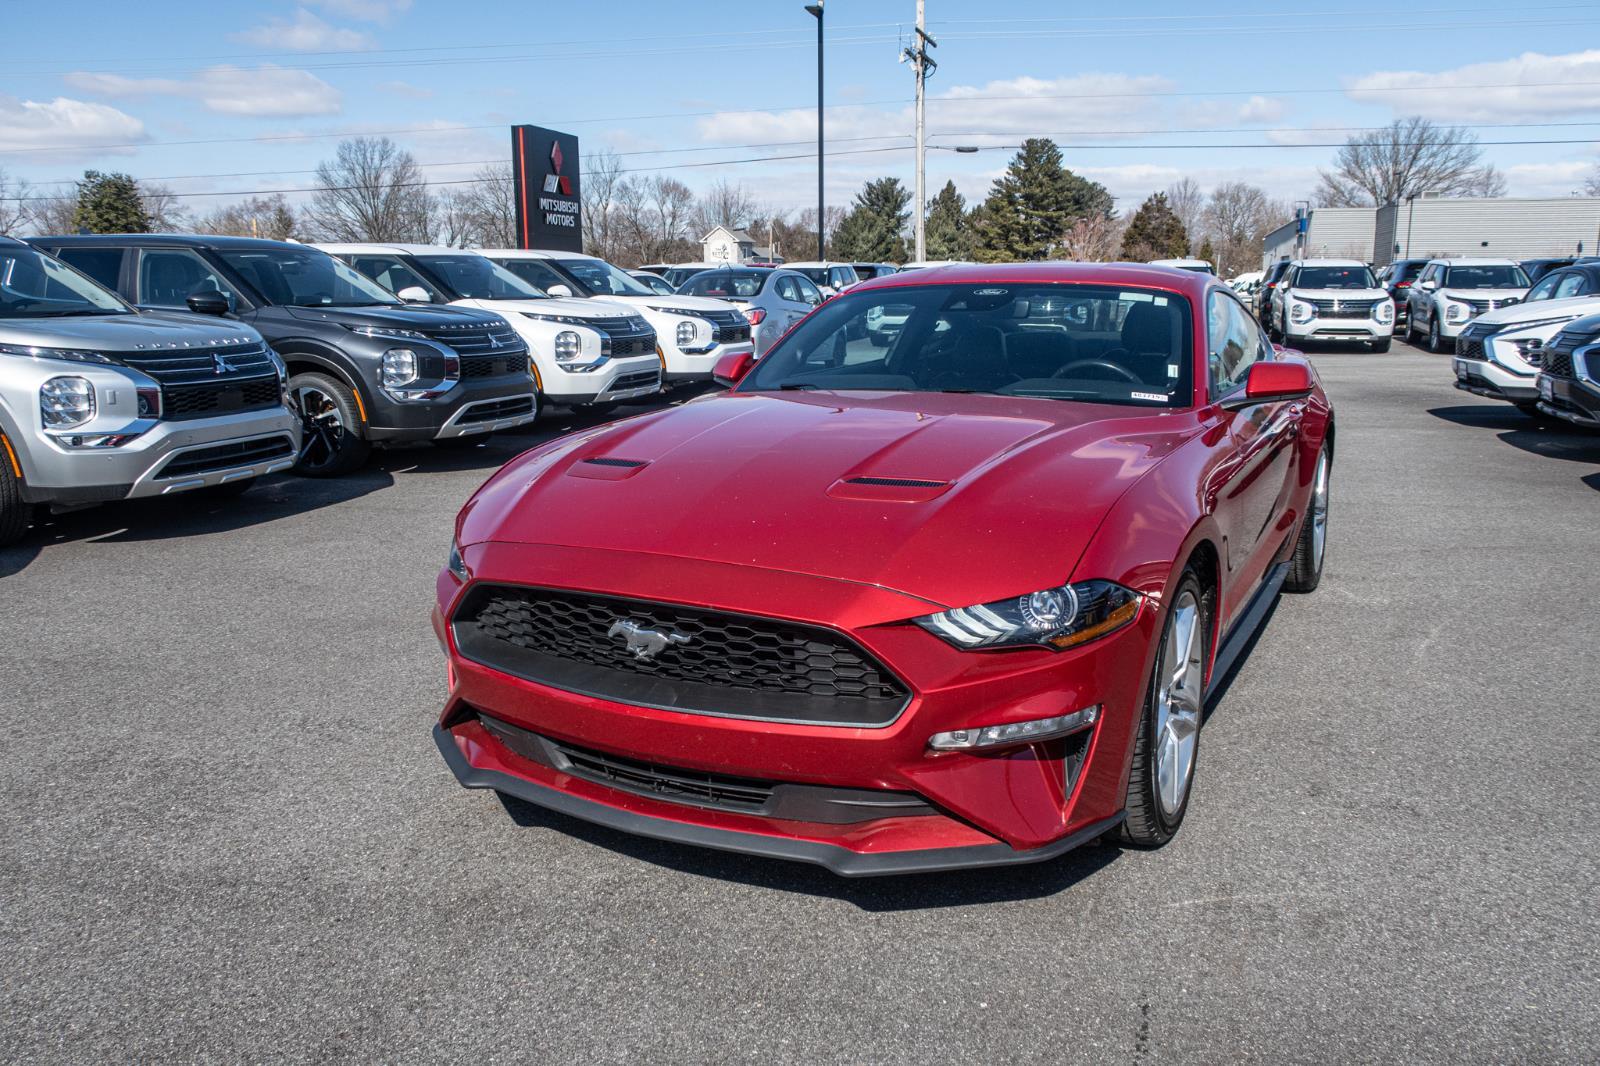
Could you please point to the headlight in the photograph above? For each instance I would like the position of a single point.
(669, 310)
(685, 334)
(455, 564)
(70, 355)
(565, 320)
(399, 368)
(1454, 312)
(66, 402)
(389, 332)
(1053, 618)
(1383, 310)
(568, 345)
(1299, 312)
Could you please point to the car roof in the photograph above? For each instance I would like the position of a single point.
(1588, 270)
(532, 253)
(190, 240)
(1329, 262)
(401, 249)
(1137, 275)
(1476, 261)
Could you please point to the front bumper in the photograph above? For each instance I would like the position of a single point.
(468, 408)
(1483, 377)
(167, 458)
(697, 366)
(618, 379)
(1571, 400)
(1018, 805)
(1354, 330)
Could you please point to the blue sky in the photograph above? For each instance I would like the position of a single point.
(124, 87)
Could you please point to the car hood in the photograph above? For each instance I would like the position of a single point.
(679, 303)
(572, 307)
(126, 333)
(1541, 311)
(1349, 295)
(403, 317)
(974, 498)
(1481, 294)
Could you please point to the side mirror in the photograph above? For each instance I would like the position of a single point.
(1429, 285)
(732, 368)
(209, 302)
(415, 294)
(559, 290)
(1289, 379)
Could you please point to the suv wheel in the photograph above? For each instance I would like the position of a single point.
(330, 446)
(15, 513)
(1435, 341)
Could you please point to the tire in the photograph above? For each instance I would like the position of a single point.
(15, 513)
(230, 490)
(1435, 339)
(1381, 346)
(461, 444)
(1411, 332)
(1166, 744)
(331, 446)
(1311, 547)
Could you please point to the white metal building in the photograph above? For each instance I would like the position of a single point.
(1330, 233)
(1503, 228)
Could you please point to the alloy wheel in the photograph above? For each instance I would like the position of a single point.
(1319, 510)
(324, 430)
(1178, 703)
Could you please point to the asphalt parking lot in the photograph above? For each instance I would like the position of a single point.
(225, 833)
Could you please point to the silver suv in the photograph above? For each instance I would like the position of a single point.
(101, 402)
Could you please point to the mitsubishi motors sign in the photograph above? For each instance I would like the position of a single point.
(544, 179)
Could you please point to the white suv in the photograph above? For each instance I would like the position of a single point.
(1332, 300)
(693, 332)
(585, 353)
(1500, 353)
(1452, 292)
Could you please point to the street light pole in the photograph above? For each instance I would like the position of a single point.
(816, 10)
(921, 65)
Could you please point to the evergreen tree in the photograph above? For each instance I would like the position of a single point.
(874, 230)
(1031, 208)
(948, 230)
(1207, 252)
(1154, 232)
(109, 203)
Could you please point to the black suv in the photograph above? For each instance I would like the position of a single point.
(1398, 277)
(364, 367)
(1269, 282)
(1569, 377)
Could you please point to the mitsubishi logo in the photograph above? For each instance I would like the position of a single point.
(494, 342)
(645, 643)
(555, 180)
(221, 365)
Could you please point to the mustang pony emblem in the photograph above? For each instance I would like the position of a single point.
(645, 643)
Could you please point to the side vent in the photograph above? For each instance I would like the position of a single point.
(897, 482)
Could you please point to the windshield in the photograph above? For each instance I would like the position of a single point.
(305, 277)
(475, 278)
(535, 272)
(1351, 277)
(33, 285)
(726, 284)
(1490, 276)
(819, 275)
(1067, 342)
(1412, 271)
(601, 278)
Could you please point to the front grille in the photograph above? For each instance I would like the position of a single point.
(1344, 308)
(493, 366)
(1480, 306)
(694, 660)
(622, 337)
(1469, 347)
(638, 379)
(221, 397)
(225, 457)
(478, 339)
(1558, 355)
(727, 327)
(489, 412)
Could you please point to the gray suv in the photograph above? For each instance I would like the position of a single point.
(101, 402)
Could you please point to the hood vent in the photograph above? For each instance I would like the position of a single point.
(608, 460)
(897, 482)
(606, 468)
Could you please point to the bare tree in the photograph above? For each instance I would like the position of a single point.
(166, 210)
(726, 203)
(1406, 158)
(1487, 183)
(1188, 202)
(1591, 184)
(13, 205)
(372, 190)
(1093, 239)
(493, 205)
(602, 179)
(53, 215)
(269, 217)
(1237, 217)
(454, 220)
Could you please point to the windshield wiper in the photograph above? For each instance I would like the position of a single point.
(795, 386)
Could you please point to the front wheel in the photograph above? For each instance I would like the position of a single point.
(331, 446)
(15, 513)
(1305, 565)
(1168, 737)
(1435, 339)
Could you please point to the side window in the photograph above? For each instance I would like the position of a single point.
(1234, 344)
(1545, 290)
(809, 293)
(787, 290)
(1571, 285)
(102, 264)
(167, 276)
(391, 273)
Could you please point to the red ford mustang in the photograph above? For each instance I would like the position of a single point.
(944, 580)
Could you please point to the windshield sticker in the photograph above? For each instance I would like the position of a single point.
(1172, 370)
(1158, 397)
(989, 292)
(1137, 297)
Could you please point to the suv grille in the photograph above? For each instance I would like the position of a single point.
(728, 327)
(638, 379)
(206, 382)
(1558, 355)
(493, 366)
(1480, 306)
(1345, 308)
(225, 456)
(622, 337)
(724, 664)
(478, 339)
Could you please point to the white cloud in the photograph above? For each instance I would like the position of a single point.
(368, 10)
(1507, 90)
(267, 91)
(71, 126)
(304, 33)
(1262, 109)
(1547, 179)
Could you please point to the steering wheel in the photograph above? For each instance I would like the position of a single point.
(1102, 364)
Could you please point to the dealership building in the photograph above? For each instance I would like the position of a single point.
(1435, 227)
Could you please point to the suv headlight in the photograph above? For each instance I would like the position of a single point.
(1454, 312)
(70, 355)
(388, 332)
(565, 320)
(1299, 312)
(1383, 310)
(66, 402)
(568, 345)
(685, 334)
(1055, 618)
(399, 368)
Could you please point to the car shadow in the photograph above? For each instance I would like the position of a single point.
(904, 892)
(1551, 438)
(1220, 685)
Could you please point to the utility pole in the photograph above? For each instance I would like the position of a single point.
(921, 65)
(816, 10)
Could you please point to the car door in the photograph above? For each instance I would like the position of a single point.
(1573, 284)
(810, 296)
(1421, 297)
(1251, 484)
(165, 278)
